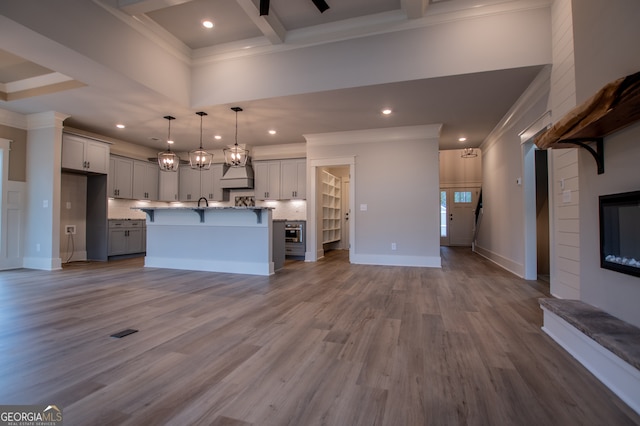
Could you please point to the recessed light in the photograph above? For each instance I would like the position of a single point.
(207, 24)
(120, 126)
(169, 142)
(217, 137)
(462, 139)
(387, 111)
(272, 132)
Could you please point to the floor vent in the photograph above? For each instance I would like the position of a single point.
(123, 333)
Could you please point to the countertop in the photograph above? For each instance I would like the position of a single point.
(205, 208)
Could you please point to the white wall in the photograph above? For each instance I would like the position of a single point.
(563, 164)
(502, 228)
(460, 172)
(401, 197)
(602, 56)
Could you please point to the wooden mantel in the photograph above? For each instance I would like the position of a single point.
(612, 108)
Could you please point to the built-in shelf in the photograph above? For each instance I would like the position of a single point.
(331, 208)
(612, 108)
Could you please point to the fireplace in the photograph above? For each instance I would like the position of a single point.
(620, 232)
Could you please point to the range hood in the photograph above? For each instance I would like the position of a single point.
(237, 177)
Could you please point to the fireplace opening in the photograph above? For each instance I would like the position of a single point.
(620, 232)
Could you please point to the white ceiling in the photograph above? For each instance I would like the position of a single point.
(467, 105)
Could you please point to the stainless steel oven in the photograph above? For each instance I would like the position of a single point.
(294, 238)
(293, 232)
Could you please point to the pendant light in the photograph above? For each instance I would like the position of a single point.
(468, 153)
(236, 156)
(168, 160)
(199, 158)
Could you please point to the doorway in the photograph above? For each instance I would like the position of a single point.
(317, 232)
(542, 214)
(457, 215)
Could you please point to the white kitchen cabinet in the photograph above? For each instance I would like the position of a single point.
(293, 179)
(84, 154)
(126, 237)
(120, 182)
(168, 186)
(267, 180)
(211, 188)
(145, 180)
(189, 187)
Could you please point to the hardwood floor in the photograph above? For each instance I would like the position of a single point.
(325, 343)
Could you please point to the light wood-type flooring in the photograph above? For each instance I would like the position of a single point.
(325, 343)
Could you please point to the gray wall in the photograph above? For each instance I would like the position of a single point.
(606, 47)
(402, 198)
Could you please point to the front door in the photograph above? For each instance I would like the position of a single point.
(457, 215)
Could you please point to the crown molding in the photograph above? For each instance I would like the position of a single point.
(45, 120)
(13, 119)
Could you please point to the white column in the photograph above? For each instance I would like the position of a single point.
(44, 151)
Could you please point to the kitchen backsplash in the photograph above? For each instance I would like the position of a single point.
(293, 210)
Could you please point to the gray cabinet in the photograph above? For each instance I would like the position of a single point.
(168, 186)
(120, 182)
(212, 189)
(145, 180)
(189, 183)
(84, 154)
(202, 183)
(126, 237)
(293, 179)
(267, 180)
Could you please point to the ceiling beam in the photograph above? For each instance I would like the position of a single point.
(414, 8)
(269, 24)
(139, 7)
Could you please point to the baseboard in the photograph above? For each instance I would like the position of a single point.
(508, 264)
(375, 259)
(43, 263)
(622, 378)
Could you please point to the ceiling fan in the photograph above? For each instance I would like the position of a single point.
(320, 4)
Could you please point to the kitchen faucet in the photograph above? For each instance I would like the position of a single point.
(205, 201)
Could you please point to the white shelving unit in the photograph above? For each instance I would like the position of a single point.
(331, 216)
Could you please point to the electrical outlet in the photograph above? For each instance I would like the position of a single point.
(70, 229)
(393, 246)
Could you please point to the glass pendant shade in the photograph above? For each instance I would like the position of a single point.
(199, 158)
(236, 156)
(168, 160)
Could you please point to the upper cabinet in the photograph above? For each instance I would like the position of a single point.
(281, 179)
(196, 183)
(120, 182)
(267, 180)
(84, 154)
(211, 187)
(145, 180)
(168, 186)
(293, 179)
(189, 188)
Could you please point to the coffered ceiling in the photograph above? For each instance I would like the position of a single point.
(97, 96)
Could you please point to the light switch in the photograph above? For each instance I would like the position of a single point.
(566, 196)
(363, 207)
(68, 205)
(45, 203)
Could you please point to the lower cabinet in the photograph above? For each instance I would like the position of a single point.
(126, 237)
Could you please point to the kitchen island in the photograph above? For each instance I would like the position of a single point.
(216, 239)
